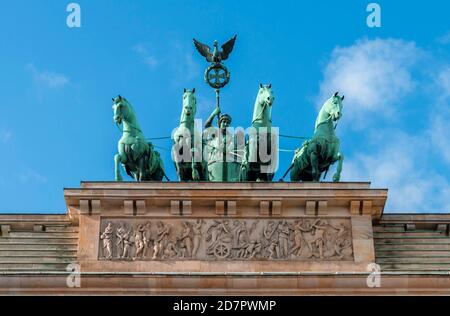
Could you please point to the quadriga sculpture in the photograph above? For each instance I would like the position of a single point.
(137, 156)
(253, 166)
(188, 139)
(322, 150)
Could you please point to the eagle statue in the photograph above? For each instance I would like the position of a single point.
(216, 56)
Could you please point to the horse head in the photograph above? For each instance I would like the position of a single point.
(189, 106)
(334, 107)
(121, 109)
(262, 113)
(331, 110)
(265, 95)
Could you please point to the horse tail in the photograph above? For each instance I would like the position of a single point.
(165, 176)
(287, 171)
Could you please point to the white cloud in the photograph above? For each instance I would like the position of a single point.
(5, 136)
(48, 79)
(443, 81)
(177, 59)
(439, 130)
(373, 75)
(148, 59)
(182, 64)
(377, 75)
(444, 39)
(399, 164)
(32, 176)
(439, 133)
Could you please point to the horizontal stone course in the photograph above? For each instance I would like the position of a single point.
(32, 266)
(416, 260)
(48, 243)
(37, 253)
(412, 250)
(27, 234)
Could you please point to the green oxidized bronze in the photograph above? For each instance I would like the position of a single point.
(137, 156)
(216, 56)
(217, 147)
(216, 75)
(220, 150)
(262, 123)
(219, 154)
(322, 150)
(187, 138)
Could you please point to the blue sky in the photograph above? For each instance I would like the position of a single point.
(56, 84)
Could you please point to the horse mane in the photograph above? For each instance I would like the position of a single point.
(322, 109)
(128, 104)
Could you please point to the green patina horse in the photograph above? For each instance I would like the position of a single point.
(188, 142)
(322, 150)
(137, 156)
(254, 168)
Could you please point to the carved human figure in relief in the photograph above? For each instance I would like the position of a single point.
(127, 244)
(220, 238)
(283, 238)
(197, 231)
(253, 245)
(119, 243)
(298, 237)
(123, 242)
(162, 232)
(139, 243)
(185, 241)
(146, 238)
(338, 243)
(107, 237)
(271, 239)
(343, 247)
(316, 240)
(170, 251)
(240, 238)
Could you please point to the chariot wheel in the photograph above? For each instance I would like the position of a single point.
(222, 250)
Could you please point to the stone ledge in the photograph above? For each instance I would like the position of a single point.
(240, 198)
(336, 284)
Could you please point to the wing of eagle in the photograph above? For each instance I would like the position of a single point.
(227, 48)
(204, 50)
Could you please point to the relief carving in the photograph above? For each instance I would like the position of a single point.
(303, 238)
(107, 236)
(197, 236)
(123, 242)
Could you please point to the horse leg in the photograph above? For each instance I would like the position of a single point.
(295, 171)
(141, 169)
(180, 170)
(243, 172)
(159, 174)
(340, 158)
(194, 174)
(118, 176)
(314, 166)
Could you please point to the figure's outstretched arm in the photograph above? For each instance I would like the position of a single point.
(210, 119)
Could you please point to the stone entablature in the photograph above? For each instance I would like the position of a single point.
(251, 199)
(213, 227)
(412, 250)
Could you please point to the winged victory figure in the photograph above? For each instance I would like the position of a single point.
(216, 56)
